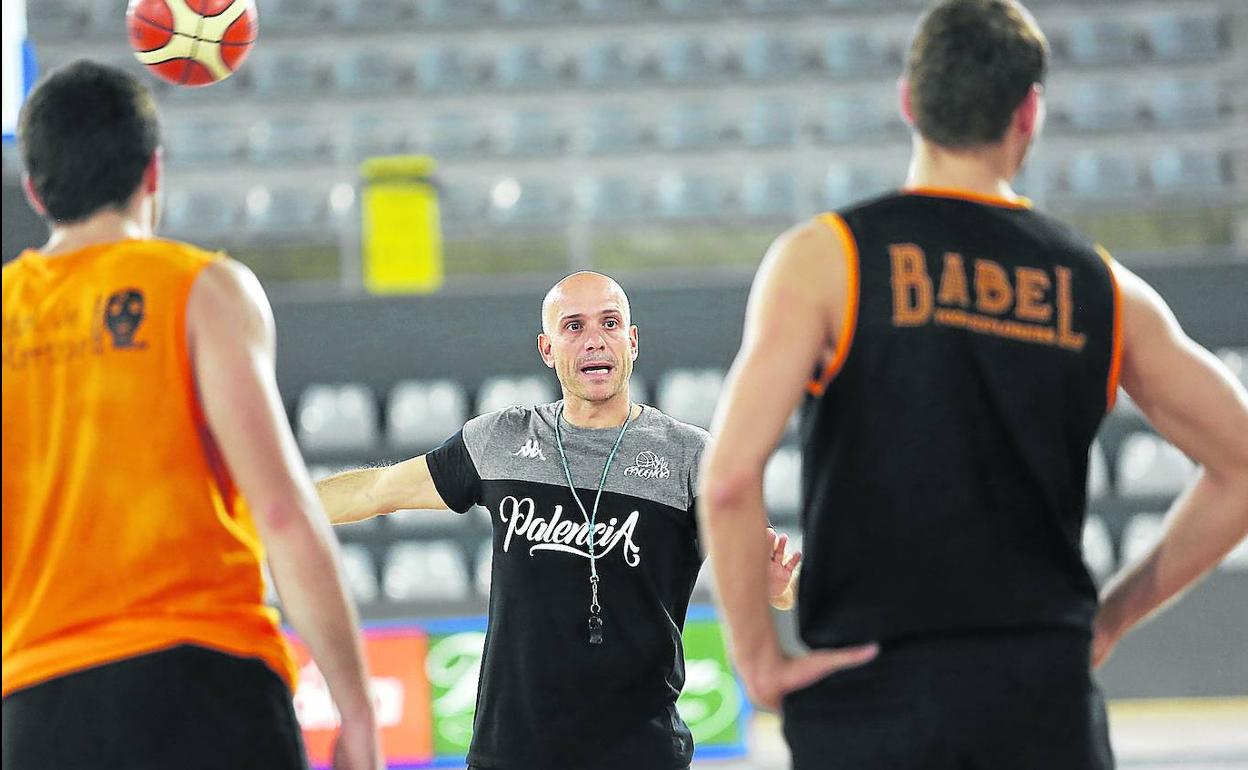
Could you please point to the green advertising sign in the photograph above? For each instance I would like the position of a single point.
(711, 704)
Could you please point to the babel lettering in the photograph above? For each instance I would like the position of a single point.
(982, 303)
(557, 534)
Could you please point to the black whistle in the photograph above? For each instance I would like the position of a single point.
(595, 629)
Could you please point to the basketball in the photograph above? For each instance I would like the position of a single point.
(192, 42)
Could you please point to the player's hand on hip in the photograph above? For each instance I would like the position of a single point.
(1103, 642)
(358, 746)
(769, 683)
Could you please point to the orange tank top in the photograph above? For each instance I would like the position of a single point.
(123, 534)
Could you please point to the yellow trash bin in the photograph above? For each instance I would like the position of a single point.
(401, 231)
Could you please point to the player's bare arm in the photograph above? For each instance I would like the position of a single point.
(791, 321)
(1197, 405)
(231, 338)
(362, 494)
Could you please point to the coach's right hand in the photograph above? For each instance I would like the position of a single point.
(769, 679)
(358, 746)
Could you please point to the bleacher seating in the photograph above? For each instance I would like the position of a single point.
(782, 481)
(420, 415)
(1142, 532)
(690, 395)
(770, 193)
(1104, 174)
(691, 126)
(359, 572)
(504, 391)
(771, 122)
(1102, 41)
(1188, 171)
(425, 570)
(526, 66)
(683, 195)
(770, 56)
(1103, 105)
(1184, 36)
(1185, 103)
(610, 199)
(368, 72)
(277, 74)
(611, 129)
(201, 212)
(337, 417)
(608, 63)
(1147, 465)
(532, 133)
(688, 60)
(1098, 547)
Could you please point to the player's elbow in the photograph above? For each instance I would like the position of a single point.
(726, 489)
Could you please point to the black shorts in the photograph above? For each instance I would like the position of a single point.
(183, 708)
(1018, 701)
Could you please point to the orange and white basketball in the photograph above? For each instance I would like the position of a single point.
(192, 42)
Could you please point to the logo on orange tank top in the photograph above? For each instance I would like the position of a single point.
(123, 313)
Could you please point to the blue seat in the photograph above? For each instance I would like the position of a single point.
(688, 60)
(850, 118)
(612, 9)
(532, 133)
(451, 12)
(852, 53)
(773, 6)
(771, 122)
(367, 71)
(770, 56)
(368, 135)
(286, 140)
(1101, 41)
(461, 204)
(525, 66)
(608, 63)
(285, 74)
(1186, 103)
(531, 202)
(845, 184)
(610, 199)
(691, 126)
(530, 10)
(1185, 36)
(371, 13)
(190, 142)
(444, 69)
(1103, 106)
(1187, 171)
(201, 213)
(284, 210)
(452, 135)
(684, 195)
(614, 130)
(691, 7)
(1103, 174)
(769, 193)
(292, 14)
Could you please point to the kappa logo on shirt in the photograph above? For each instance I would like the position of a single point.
(531, 450)
(649, 466)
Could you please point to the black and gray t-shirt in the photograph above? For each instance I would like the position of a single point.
(547, 697)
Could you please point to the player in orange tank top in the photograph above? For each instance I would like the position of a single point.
(148, 468)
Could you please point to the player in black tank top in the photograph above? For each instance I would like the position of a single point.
(965, 350)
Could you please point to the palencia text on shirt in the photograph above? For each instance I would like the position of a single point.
(565, 535)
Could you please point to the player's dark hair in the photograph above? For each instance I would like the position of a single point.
(971, 63)
(87, 133)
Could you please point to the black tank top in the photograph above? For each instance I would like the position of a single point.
(945, 453)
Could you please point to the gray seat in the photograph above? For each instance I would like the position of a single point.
(1141, 533)
(1185, 36)
(1148, 465)
(691, 7)
(368, 135)
(1103, 106)
(1098, 547)
(772, 6)
(190, 142)
(336, 418)
(422, 414)
(286, 210)
(1186, 103)
(451, 12)
(452, 135)
(48, 19)
(610, 199)
(770, 193)
(368, 72)
(685, 195)
(845, 184)
(285, 74)
(359, 571)
(691, 126)
(534, 202)
(782, 483)
(461, 204)
(1103, 174)
(445, 69)
(688, 60)
(503, 391)
(291, 14)
(690, 395)
(371, 13)
(1094, 42)
(612, 9)
(531, 10)
(847, 119)
(201, 212)
(614, 129)
(609, 63)
(286, 140)
(532, 133)
(425, 571)
(770, 56)
(771, 122)
(851, 53)
(1187, 171)
(525, 66)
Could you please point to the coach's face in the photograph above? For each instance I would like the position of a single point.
(587, 337)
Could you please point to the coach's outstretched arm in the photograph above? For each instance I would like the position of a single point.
(231, 339)
(362, 494)
(794, 315)
(1199, 407)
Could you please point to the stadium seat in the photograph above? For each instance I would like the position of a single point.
(452, 12)
(336, 418)
(851, 53)
(1185, 103)
(461, 204)
(612, 9)
(367, 135)
(536, 202)
(690, 395)
(772, 6)
(847, 119)
(770, 56)
(691, 126)
(425, 571)
(1147, 465)
(286, 141)
(359, 572)
(614, 130)
(845, 184)
(608, 63)
(371, 13)
(782, 484)
(452, 135)
(368, 72)
(688, 60)
(1184, 36)
(1098, 547)
(691, 7)
(525, 65)
(532, 133)
(683, 195)
(771, 122)
(190, 142)
(1142, 531)
(201, 212)
(286, 210)
(1093, 42)
(504, 391)
(530, 10)
(445, 69)
(1103, 174)
(291, 14)
(284, 74)
(421, 415)
(1098, 472)
(1100, 105)
(610, 199)
(769, 193)
(1187, 171)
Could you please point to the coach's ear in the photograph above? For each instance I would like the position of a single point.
(32, 197)
(903, 96)
(544, 350)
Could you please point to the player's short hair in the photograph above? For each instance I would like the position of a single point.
(970, 65)
(87, 133)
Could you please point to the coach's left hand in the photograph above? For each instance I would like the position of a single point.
(782, 572)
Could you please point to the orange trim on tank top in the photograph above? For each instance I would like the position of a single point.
(967, 195)
(849, 320)
(1115, 356)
